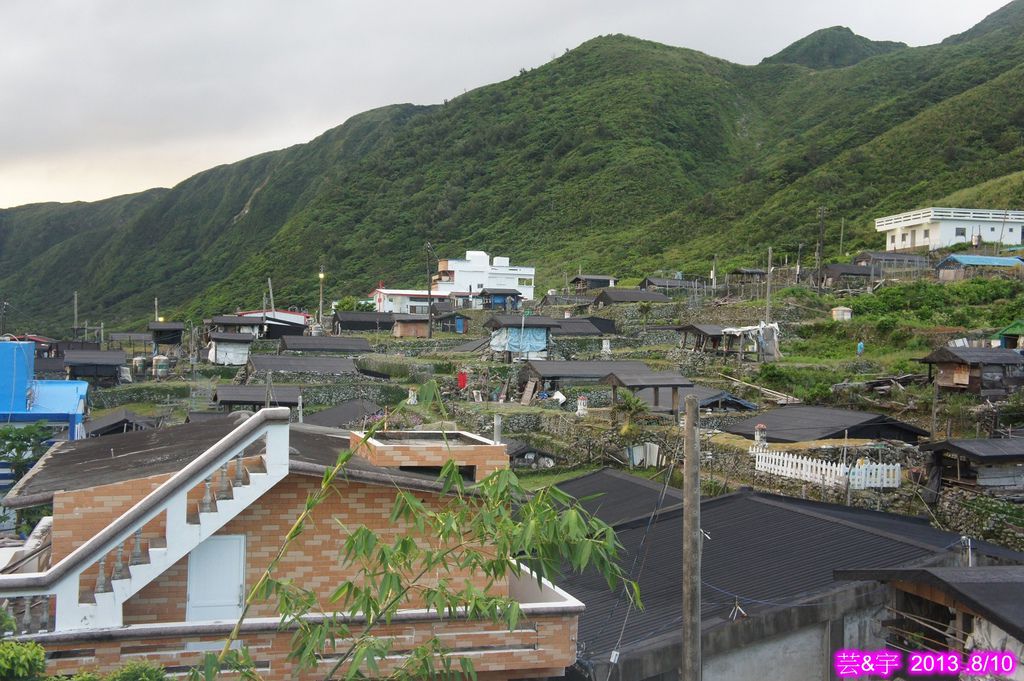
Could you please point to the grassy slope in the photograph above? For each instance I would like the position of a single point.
(622, 154)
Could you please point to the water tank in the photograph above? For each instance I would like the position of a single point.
(161, 366)
(139, 365)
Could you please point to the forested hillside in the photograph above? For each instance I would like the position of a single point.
(621, 155)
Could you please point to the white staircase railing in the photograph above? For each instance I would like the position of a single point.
(226, 491)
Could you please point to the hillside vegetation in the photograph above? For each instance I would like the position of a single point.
(621, 155)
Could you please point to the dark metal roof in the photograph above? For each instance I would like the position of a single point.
(405, 317)
(844, 270)
(892, 257)
(500, 292)
(769, 551)
(646, 379)
(501, 321)
(665, 282)
(617, 496)
(325, 344)
(581, 369)
(166, 326)
(712, 330)
(256, 395)
(801, 423)
(996, 592)
(594, 277)
(981, 450)
(706, 397)
(748, 270)
(203, 416)
(130, 336)
(303, 364)
(116, 420)
(350, 412)
(949, 354)
(82, 464)
(76, 358)
(234, 320)
(604, 325)
(230, 337)
(576, 327)
(565, 299)
(381, 317)
(630, 295)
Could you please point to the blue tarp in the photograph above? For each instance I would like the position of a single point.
(511, 339)
(979, 261)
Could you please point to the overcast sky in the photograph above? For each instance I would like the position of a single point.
(105, 97)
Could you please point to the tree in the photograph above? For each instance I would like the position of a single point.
(631, 408)
(644, 308)
(21, 447)
(491, 529)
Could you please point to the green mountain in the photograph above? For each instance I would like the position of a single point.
(831, 48)
(621, 155)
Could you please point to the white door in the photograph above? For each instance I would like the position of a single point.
(216, 579)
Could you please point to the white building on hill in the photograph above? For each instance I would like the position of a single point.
(478, 271)
(942, 227)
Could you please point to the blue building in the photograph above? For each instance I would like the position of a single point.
(23, 399)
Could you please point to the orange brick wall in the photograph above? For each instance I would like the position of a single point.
(312, 562)
(541, 646)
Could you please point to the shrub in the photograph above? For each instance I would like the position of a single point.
(21, 661)
(138, 671)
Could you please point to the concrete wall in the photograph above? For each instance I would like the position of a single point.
(799, 655)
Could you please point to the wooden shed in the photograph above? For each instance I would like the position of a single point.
(988, 372)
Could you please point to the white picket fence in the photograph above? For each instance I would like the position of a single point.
(824, 472)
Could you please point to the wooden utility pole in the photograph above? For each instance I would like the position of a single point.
(819, 253)
(768, 290)
(842, 232)
(74, 327)
(690, 666)
(799, 256)
(430, 306)
(156, 309)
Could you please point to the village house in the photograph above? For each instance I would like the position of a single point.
(166, 333)
(627, 295)
(410, 325)
(994, 465)
(280, 323)
(403, 301)
(253, 397)
(229, 348)
(120, 420)
(582, 283)
(937, 228)
(771, 606)
(102, 367)
(520, 337)
(841, 275)
(673, 285)
(959, 266)
(131, 342)
(507, 299)
(988, 372)
(24, 399)
(300, 364)
(890, 264)
(324, 345)
(165, 532)
(477, 271)
(363, 321)
(577, 327)
(803, 423)
(228, 323)
(555, 374)
(1012, 336)
(974, 610)
(451, 322)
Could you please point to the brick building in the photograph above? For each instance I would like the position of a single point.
(157, 536)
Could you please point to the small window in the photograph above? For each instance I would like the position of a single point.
(892, 239)
(903, 238)
(1011, 230)
(961, 231)
(926, 234)
(991, 229)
